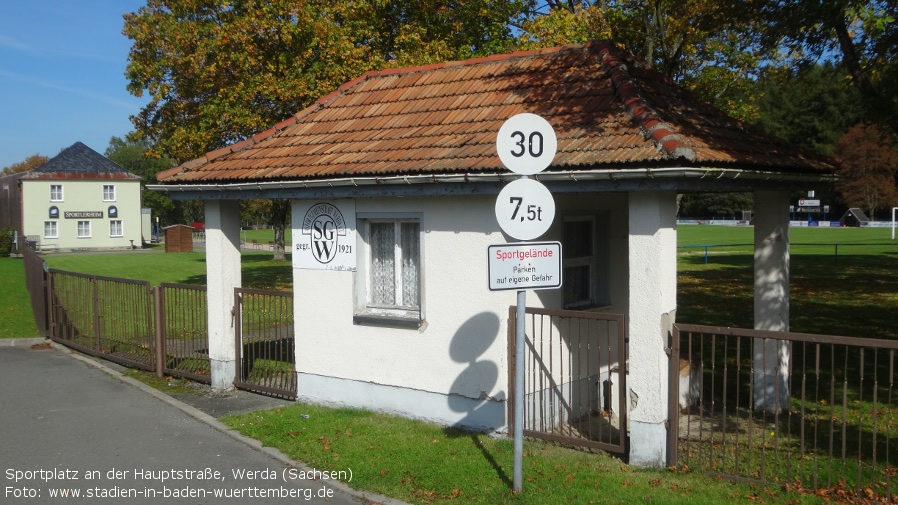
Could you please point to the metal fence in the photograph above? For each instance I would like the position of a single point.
(266, 361)
(182, 326)
(814, 412)
(103, 316)
(36, 285)
(575, 377)
(164, 329)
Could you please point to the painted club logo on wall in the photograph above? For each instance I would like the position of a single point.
(326, 238)
(323, 224)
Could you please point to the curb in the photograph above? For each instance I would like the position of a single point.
(370, 498)
(22, 342)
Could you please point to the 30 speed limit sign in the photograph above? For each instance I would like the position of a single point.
(526, 144)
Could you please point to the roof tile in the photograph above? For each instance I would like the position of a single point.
(606, 109)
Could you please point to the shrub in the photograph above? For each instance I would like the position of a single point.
(6, 241)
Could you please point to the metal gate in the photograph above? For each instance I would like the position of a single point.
(266, 358)
(575, 378)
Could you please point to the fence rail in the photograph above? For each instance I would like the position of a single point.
(811, 411)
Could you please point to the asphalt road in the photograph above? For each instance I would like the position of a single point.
(71, 425)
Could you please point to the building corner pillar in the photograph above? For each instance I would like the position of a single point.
(651, 313)
(222, 276)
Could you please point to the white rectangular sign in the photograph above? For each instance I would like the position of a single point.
(524, 265)
(324, 235)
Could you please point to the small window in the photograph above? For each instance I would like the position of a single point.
(115, 228)
(56, 192)
(392, 271)
(83, 229)
(108, 193)
(51, 229)
(579, 262)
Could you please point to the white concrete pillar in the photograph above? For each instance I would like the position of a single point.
(771, 305)
(222, 276)
(651, 313)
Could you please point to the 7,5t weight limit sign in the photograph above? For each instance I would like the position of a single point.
(525, 209)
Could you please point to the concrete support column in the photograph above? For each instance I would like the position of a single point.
(771, 305)
(652, 311)
(223, 275)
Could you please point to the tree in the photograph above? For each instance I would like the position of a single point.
(809, 107)
(132, 155)
(869, 166)
(862, 34)
(706, 45)
(219, 71)
(29, 163)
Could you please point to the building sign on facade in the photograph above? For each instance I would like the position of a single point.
(324, 235)
(90, 214)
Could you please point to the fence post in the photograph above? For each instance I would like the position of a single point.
(159, 334)
(673, 395)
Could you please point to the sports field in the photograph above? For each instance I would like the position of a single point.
(844, 281)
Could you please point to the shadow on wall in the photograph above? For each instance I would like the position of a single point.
(470, 342)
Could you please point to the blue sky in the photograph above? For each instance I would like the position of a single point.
(62, 76)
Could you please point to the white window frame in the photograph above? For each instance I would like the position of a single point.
(79, 229)
(109, 192)
(54, 225)
(56, 198)
(121, 229)
(395, 314)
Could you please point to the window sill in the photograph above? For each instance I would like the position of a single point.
(589, 308)
(387, 320)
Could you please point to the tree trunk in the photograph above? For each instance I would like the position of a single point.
(280, 210)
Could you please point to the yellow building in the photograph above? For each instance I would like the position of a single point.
(80, 200)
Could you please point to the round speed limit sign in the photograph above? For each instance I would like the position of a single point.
(526, 144)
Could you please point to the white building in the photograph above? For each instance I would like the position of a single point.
(80, 200)
(394, 179)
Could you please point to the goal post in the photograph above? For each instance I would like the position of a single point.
(894, 214)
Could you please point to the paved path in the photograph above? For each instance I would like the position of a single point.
(66, 416)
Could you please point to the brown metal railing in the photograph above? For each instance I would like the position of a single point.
(36, 284)
(801, 410)
(266, 359)
(182, 326)
(103, 316)
(575, 377)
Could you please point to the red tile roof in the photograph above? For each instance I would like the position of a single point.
(607, 111)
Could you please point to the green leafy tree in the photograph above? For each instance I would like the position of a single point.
(218, 71)
(861, 34)
(810, 107)
(706, 45)
(134, 156)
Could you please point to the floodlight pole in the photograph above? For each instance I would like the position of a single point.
(519, 342)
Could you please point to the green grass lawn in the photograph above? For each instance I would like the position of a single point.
(422, 463)
(16, 319)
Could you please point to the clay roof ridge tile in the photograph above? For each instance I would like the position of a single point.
(648, 120)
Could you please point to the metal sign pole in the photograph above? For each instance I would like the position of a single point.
(520, 321)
